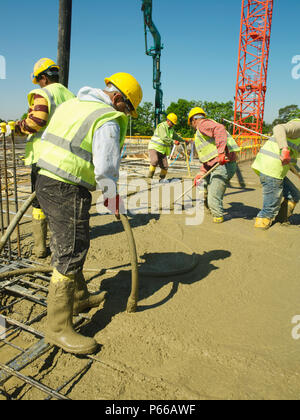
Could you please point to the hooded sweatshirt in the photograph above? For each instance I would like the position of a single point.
(106, 142)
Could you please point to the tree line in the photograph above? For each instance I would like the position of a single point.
(144, 124)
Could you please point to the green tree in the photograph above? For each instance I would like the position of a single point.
(182, 108)
(219, 110)
(144, 124)
(286, 114)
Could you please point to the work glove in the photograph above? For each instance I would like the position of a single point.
(177, 143)
(197, 179)
(285, 156)
(115, 205)
(222, 159)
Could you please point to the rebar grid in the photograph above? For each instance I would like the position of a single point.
(32, 292)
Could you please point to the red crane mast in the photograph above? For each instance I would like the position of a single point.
(253, 62)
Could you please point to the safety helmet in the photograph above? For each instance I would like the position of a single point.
(194, 112)
(42, 66)
(173, 118)
(130, 88)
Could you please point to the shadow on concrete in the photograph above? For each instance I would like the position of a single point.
(119, 286)
(241, 211)
(117, 227)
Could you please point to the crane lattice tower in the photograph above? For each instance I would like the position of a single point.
(256, 22)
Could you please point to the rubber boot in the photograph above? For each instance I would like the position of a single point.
(82, 298)
(39, 230)
(163, 174)
(59, 329)
(263, 223)
(218, 219)
(151, 172)
(291, 207)
(282, 216)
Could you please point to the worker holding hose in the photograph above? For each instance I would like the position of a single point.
(272, 164)
(80, 152)
(42, 104)
(214, 146)
(160, 143)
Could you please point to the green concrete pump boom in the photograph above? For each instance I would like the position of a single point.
(154, 52)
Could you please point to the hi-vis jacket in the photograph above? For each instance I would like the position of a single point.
(55, 94)
(268, 160)
(207, 149)
(163, 138)
(67, 145)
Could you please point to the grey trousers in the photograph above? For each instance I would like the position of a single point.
(67, 211)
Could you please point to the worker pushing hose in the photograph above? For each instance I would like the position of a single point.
(80, 152)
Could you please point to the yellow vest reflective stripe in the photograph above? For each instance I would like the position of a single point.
(207, 149)
(55, 94)
(268, 160)
(67, 145)
(156, 143)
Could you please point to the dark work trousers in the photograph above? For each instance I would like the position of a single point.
(158, 159)
(67, 209)
(34, 174)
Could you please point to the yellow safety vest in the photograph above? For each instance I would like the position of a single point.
(67, 145)
(268, 160)
(207, 149)
(55, 94)
(162, 145)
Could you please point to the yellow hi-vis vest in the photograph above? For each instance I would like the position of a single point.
(162, 138)
(268, 160)
(207, 149)
(67, 145)
(55, 94)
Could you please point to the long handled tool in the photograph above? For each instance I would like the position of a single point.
(247, 129)
(187, 159)
(171, 154)
(3, 131)
(200, 179)
(12, 125)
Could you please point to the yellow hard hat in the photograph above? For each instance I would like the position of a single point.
(194, 112)
(129, 86)
(41, 66)
(173, 118)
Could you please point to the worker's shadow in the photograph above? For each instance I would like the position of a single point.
(119, 287)
(116, 226)
(239, 210)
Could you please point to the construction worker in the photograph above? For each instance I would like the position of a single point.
(80, 151)
(214, 145)
(42, 104)
(272, 164)
(160, 143)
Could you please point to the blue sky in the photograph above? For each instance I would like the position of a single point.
(199, 60)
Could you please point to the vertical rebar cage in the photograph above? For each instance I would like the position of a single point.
(251, 86)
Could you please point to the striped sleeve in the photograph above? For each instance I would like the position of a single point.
(37, 116)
